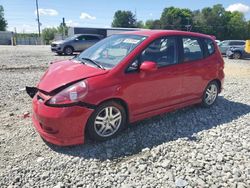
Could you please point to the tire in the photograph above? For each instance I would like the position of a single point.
(68, 50)
(237, 55)
(210, 94)
(102, 126)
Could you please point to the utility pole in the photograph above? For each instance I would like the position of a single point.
(38, 20)
(63, 25)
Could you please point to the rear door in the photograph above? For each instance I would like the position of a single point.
(197, 66)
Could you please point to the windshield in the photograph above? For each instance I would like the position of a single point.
(111, 51)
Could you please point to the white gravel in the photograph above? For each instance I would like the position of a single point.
(191, 147)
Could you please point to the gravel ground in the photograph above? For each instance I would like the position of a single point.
(191, 147)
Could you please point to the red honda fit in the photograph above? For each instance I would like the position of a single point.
(122, 79)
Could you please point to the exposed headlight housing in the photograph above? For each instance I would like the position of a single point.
(70, 95)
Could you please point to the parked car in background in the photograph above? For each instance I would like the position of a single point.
(122, 79)
(77, 43)
(226, 44)
(237, 53)
(217, 42)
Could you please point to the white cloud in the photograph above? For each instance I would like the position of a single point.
(238, 7)
(86, 16)
(151, 14)
(71, 23)
(47, 12)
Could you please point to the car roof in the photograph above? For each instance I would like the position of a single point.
(167, 32)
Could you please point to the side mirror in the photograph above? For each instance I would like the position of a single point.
(76, 39)
(148, 66)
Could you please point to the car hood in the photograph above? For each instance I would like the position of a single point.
(61, 73)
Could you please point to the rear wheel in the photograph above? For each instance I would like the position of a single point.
(237, 55)
(107, 121)
(210, 94)
(68, 50)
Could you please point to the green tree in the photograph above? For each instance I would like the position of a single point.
(153, 24)
(139, 24)
(63, 29)
(48, 34)
(175, 18)
(237, 26)
(3, 22)
(124, 19)
(220, 23)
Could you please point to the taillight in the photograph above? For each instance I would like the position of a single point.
(70, 95)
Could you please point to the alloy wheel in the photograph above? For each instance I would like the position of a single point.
(107, 121)
(68, 51)
(211, 94)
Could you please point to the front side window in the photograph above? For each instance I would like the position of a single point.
(110, 51)
(210, 46)
(81, 38)
(192, 49)
(162, 51)
(91, 37)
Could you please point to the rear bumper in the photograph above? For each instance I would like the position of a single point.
(60, 126)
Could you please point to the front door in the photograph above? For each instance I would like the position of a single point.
(149, 91)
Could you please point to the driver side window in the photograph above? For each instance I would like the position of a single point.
(162, 51)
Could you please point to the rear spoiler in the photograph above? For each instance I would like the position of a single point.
(214, 37)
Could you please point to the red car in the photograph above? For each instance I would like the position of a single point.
(122, 79)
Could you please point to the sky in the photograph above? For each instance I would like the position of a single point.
(21, 14)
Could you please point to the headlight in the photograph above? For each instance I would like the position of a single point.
(70, 95)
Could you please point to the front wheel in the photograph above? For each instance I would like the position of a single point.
(210, 94)
(68, 50)
(106, 121)
(237, 55)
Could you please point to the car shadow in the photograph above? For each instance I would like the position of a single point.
(184, 123)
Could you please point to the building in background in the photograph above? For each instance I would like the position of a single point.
(6, 37)
(100, 31)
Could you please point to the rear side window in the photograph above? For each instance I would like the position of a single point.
(210, 46)
(240, 43)
(192, 49)
(81, 38)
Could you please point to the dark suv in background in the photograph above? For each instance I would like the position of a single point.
(226, 44)
(76, 43)
(237, 53)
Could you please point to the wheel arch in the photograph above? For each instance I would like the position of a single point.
(218, 82)
(121, 102)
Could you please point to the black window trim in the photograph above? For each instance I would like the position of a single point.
(138, 57)
(206, 47)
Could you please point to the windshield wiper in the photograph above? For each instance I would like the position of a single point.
(93, 62)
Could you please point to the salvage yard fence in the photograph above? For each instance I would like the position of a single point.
(9, 38)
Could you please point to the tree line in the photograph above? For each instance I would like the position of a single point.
(210, 20)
